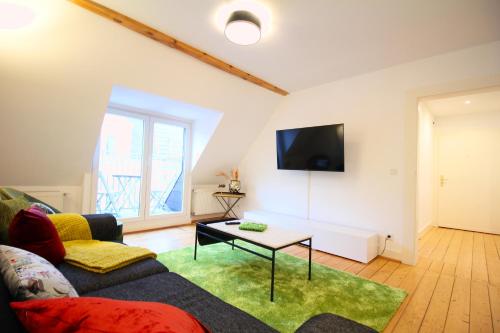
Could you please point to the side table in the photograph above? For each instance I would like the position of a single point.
(226, 201)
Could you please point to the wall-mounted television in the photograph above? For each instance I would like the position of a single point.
(319, 148)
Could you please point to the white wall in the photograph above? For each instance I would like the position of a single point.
(56, 78)
(425, 169)
(376, 190)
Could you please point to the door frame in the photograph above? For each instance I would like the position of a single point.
(409, 252)
(146, 221)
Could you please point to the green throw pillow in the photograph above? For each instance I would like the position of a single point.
(4, 195)
(9, 209)
(10, 193)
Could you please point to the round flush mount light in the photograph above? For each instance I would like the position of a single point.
(15, 16)
(243, 28)
(467, 102)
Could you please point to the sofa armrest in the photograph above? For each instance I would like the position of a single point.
(331, 323)
(105, 227)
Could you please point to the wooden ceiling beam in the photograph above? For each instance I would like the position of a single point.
(167, 40)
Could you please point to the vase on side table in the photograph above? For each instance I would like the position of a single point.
(234, 186)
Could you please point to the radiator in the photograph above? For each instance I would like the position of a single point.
(202, 201)
(53, 198)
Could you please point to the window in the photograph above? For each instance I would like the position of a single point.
(140, 171)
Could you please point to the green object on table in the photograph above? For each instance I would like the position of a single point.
(242, 279)
(252, 226)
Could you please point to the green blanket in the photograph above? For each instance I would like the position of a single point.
(251, 226)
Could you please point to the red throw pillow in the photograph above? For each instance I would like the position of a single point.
(94, 314)
(31, 230)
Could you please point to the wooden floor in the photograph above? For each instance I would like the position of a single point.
(455, 286)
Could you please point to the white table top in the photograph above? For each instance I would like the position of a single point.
(274, 236)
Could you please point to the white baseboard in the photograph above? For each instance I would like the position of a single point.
(135, 226)
(425, 229)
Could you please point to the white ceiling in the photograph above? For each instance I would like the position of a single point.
(486, 101)
(317, 41)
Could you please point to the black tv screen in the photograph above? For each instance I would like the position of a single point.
(319, 148)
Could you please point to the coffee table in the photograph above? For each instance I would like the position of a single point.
(274, 238)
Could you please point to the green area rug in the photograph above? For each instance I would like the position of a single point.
(243, 280)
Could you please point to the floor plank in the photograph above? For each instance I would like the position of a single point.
(414, 313)
(409, 284)
(497, 243)
(427, 236)
(480, 312)
(435, 317)
(494, 292)
(399, 275)
(458, 317)
(464, 265)
(355, 268)
(385, 272)
(451, 257)
(442, 247)
(492, 260)
(432, 243)
(479, 269)
(372, 267)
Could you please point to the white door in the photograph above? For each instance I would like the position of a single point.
(468, 175)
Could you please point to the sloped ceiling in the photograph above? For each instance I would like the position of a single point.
(56, 77)
(311, 42)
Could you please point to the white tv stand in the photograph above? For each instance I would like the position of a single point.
(357, 244)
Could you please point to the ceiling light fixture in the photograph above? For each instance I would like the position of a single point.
(467, 102)
(243, 28)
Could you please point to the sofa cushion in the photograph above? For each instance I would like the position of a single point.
(86, 281)
(32, 231)
(28, 276)
(171, 288)
(8, 209)
(330, 323)
(96, 315)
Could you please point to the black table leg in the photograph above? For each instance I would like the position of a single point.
(310, 249)
(272, 276)
(195, 243)
(233, 245)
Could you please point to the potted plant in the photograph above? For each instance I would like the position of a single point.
(234, 180)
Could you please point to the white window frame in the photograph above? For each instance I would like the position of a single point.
(145, 220)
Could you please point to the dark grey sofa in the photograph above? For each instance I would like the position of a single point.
(149, 280)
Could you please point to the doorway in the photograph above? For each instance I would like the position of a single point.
(459, 162)
(141, 167)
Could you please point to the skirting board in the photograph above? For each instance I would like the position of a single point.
(425, 230)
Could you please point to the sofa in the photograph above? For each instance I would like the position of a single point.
(149, 280)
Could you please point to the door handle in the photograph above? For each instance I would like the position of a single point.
(442, 180)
